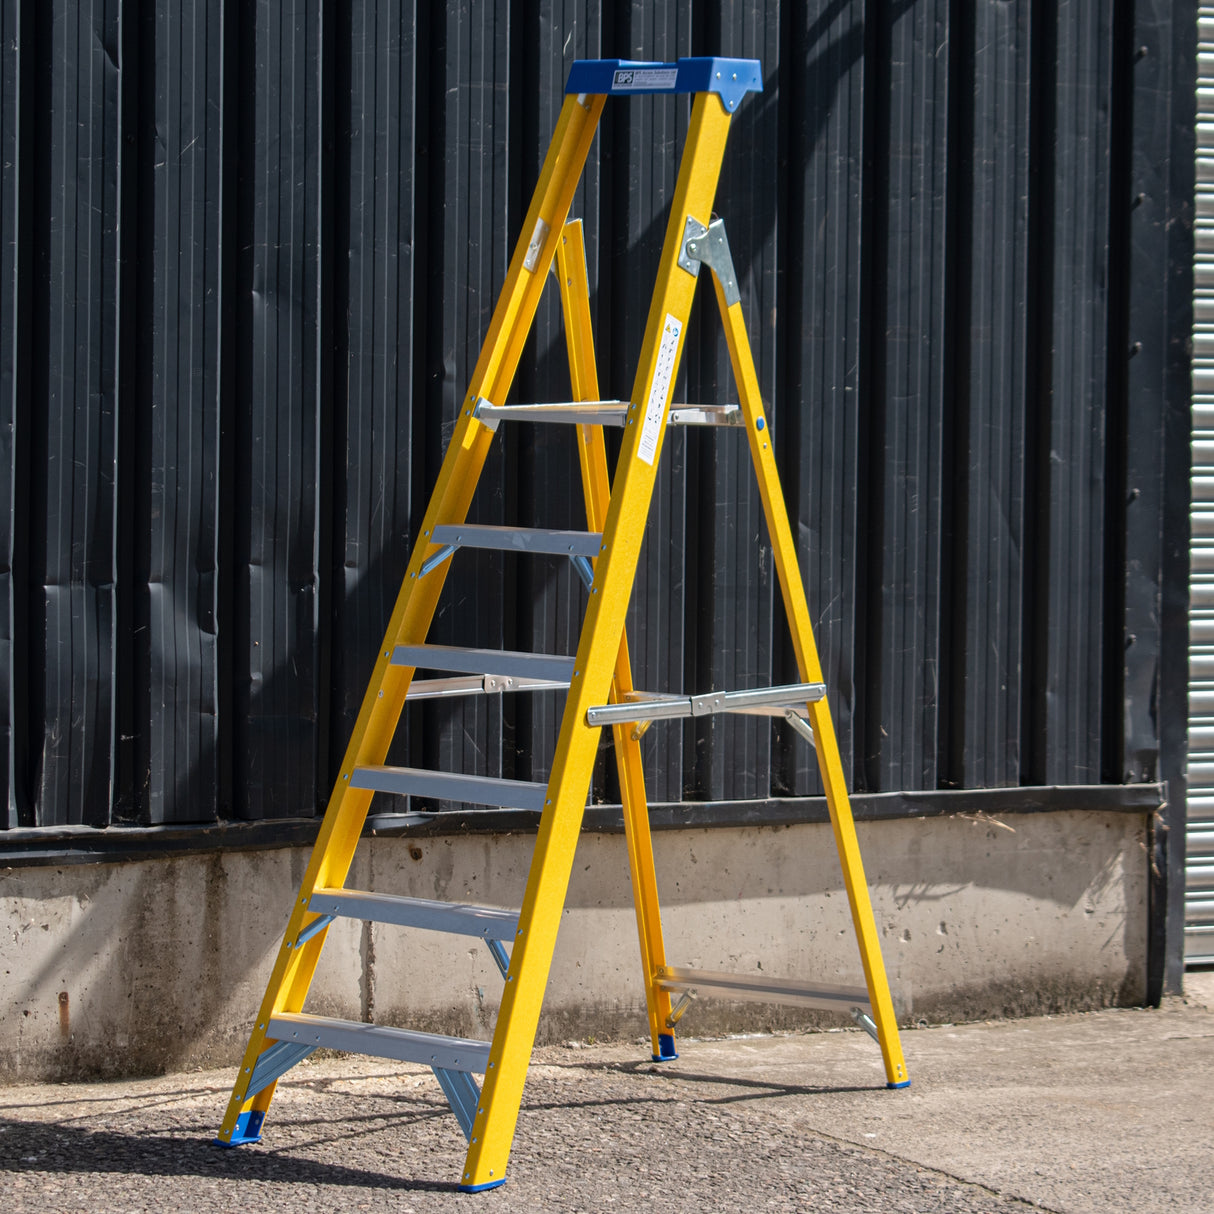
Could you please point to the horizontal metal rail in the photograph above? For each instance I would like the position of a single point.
(705, 415)
(759, 987)
(489, 684)
(767, 701)
(602, 413)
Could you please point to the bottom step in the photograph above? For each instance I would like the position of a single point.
(404, 1045)
(764, 989)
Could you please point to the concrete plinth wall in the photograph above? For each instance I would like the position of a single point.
(134, 968)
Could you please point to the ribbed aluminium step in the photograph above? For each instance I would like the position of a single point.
(451, 786)
(488, 922)
(764, 989)
(519, 539)
(403, 1045)
(507, 663)
(767, 701)
(578, 546)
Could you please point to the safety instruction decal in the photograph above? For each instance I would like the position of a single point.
(659, 389)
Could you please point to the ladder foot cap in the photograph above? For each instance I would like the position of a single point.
(904, 1084)
(666, 1051)
(248, 1129)
(480, 1188)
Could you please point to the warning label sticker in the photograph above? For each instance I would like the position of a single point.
(659, 390)
(645, 78)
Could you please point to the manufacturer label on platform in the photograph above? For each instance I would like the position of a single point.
(645, 78)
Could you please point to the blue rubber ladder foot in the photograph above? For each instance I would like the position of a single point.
(904, 1084)
(480, 1188)
(248, 1129)
(666, 1051)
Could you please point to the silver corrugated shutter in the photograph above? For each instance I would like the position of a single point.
(1199, 865)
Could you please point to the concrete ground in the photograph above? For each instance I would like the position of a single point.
(1108, 1111)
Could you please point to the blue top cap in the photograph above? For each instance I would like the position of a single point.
(732, 78)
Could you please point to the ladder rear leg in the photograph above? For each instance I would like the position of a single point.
(826, 745)
(592, 458)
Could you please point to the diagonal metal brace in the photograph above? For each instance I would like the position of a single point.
(710, 245)
(462, 1094)
(274, 1062)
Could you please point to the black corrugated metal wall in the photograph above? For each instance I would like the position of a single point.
(247, 256)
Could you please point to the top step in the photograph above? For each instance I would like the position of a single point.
(731, 78)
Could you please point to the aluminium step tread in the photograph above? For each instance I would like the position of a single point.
(451, 786)
(460, 918)
(507, 663)
(553, 541)
(381, 1041)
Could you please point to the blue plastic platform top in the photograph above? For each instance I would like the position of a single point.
(731, 78)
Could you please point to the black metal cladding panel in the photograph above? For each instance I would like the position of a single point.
(1154, 356)
(168, 703)
(471, 105)
(73, 429)
(730, 604)
(13, 216)
(988, 421)
(545, 593)
(818, 408)
(380, 216)
(248, 255)
(903, 408)
(1071, 453)
(280, 230)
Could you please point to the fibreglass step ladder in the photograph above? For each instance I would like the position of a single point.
(598, 678)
